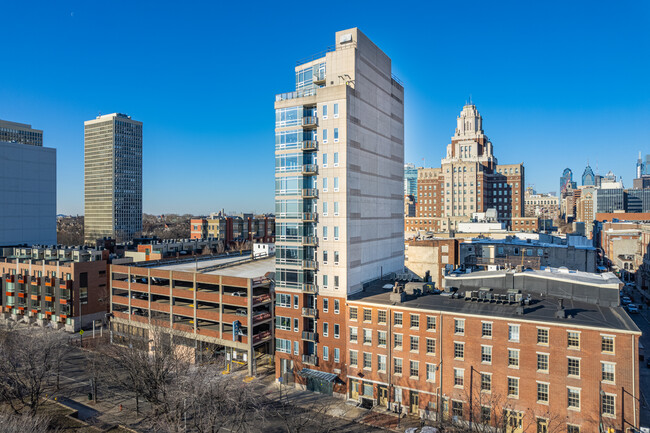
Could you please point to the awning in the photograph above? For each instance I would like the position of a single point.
(320, 375)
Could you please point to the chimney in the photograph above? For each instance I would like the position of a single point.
(560, 313)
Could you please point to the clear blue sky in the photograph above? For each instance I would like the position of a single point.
(557, 83)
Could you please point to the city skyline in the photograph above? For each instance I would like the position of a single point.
(535, 87)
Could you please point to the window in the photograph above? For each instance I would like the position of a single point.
(486, 414)
(353, 334)
(337, 329)
(513, 387)
(513, 333)
(397, 366)
(324, 255)
(415, 320)
(607, 344)
(336, 159)
(325, 211)
(326, 353)
(542, 336)
(381, 363)
(431, 346)
(354, 358)
(367, 336)
(513, 358)
(573, 365)
(415, 344)
(325, 304)
(296, 348)
(296, 325)
(336, 233)
(414, 370)
(283, 300)
(336, 110)
(336, 213)
(459, 377)
(397, 341)
(486, 330)
(570, 428)
(397, 319)
(324, 135)
(326, 329)
(608, 404)
(337, 353)
(324, 160)
(325, 233)
(381, 317)
(457, 409)
(486, 382)
(336, 184)
(282, 345)
(431, 323)
(542, 392)
(283, 323)
(573, 340)
(459, 326)
(486, 354)
(542, 362)
(367, 315)
(353, 313)
(296, 301)
(607, 369)
(367, 360)
(459, 350)
(381, 338)
(337, 305)
(573, 398)
(324, 111)
(431, 372)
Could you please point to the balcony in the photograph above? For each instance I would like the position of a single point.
(309, 145)
(309, 288)
(311, 241)
(310, 217)
(49, 282)
(310, 264)
(310, 122)
(309, 169)
(310, 336)
(65, 294)
(319, 78)
(309, 193)
(21, 279)
(309, 312)
(36, 281)
(310, 359)
(67, 284)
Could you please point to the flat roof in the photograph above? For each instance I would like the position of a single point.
(234, 266)
(540, 310)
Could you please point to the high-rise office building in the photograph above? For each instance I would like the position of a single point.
(27, 186)
(339, 149)
(588, 177)
(566, 182)
(469, 181)
(411, 180)
(113, 178)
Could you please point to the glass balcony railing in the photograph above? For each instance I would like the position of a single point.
(309, 288)
(310, 240)
(309, 312)
(310, 216)
(310, 193)
(309, 264)
(310, 359)
(310, 121)
(310, 336)
(294, 95)
(309, 145)
(310, 169)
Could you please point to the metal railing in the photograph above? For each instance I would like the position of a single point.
(310, 336)
(309, 264)
(310, 121)
(309, 312)
(310, 359)
(310, 192)
(310, 169)
(310, 216)
(309, 240)
(309, 145)
(309, 288)
(309, 91)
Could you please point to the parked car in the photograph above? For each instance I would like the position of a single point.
(632, 309)
(647, 363)
(625, 300)
(241, 312)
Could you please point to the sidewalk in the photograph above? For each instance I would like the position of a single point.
(378, 417)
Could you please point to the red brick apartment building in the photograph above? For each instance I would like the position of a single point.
(255, 228)
(215, 306)
(493, 350)
(57, 286)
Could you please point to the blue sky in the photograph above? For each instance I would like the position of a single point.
(557, 83)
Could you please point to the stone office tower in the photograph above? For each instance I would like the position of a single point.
(112, 178)
(339, 184)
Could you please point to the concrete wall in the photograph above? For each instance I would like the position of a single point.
(27, 194)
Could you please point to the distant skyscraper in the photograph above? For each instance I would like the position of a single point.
(410, 180)
(588, 177)
(113, 178)
(27, 186)
(566, 181)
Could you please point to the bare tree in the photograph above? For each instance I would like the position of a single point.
(24, 423)
(30, 359)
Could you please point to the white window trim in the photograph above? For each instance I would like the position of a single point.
(609, 382)
(574, 408)
(548, 384)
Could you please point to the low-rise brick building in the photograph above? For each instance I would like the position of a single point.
(491, 350)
